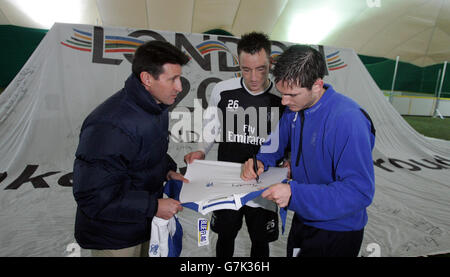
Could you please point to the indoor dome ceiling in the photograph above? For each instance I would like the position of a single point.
(416, 30)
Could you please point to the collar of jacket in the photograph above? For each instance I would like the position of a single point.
(142, 97)
(329, 91)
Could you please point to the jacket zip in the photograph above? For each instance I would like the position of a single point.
(299, 153)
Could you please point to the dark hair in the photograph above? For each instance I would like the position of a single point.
(253, 42)
(299, 65)
(152, 55)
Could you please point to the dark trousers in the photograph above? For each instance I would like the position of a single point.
(308, 241)
(262, 227)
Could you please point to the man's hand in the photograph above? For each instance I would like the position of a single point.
(278, 193)
(196, 155)
(168, 207)
(248, 173)
(172, 175)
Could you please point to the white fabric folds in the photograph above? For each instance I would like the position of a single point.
(165, 239)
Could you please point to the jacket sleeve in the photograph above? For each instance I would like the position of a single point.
(353, 187)
(274, 148)
(171, 164)
(101, 185)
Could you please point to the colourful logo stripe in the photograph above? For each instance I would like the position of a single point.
(77, 48)
(212, 47)
(275, 54)
(83, 32)
(120, 50)
(121, 45)
(206, 51)
(122, 42)
(136, 41)
(212, 42)
(334, 61)
(83, 37)
(80, 41)
(331, 55)
(87, 43)
(118, 44)
(77, 43)
(336, 68)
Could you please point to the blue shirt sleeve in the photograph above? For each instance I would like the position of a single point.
(354, 185)
(274, 148)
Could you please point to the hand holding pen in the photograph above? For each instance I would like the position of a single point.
(251, 169)
(255, 168)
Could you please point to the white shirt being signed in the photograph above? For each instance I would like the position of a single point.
(215, 179)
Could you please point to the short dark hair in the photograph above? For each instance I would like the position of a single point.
(299, 65)
(253, 42)
(152, 55)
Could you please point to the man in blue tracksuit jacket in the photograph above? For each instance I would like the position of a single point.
(121, 160)
(331, 141)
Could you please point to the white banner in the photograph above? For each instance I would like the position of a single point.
(76, 67)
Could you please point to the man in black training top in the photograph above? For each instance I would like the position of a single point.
(237, 109)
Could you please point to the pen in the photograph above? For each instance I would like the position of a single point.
(255, 168)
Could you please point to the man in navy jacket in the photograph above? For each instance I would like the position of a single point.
(121, 160)
(331, 141)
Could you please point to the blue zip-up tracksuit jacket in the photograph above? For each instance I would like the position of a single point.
(331, 160)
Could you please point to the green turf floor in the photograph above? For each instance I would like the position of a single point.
(430, 127)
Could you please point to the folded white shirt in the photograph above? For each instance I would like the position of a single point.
(162, 231)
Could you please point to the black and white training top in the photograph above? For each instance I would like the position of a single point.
(239, 120)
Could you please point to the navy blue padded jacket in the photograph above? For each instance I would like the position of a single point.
(120, 167)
